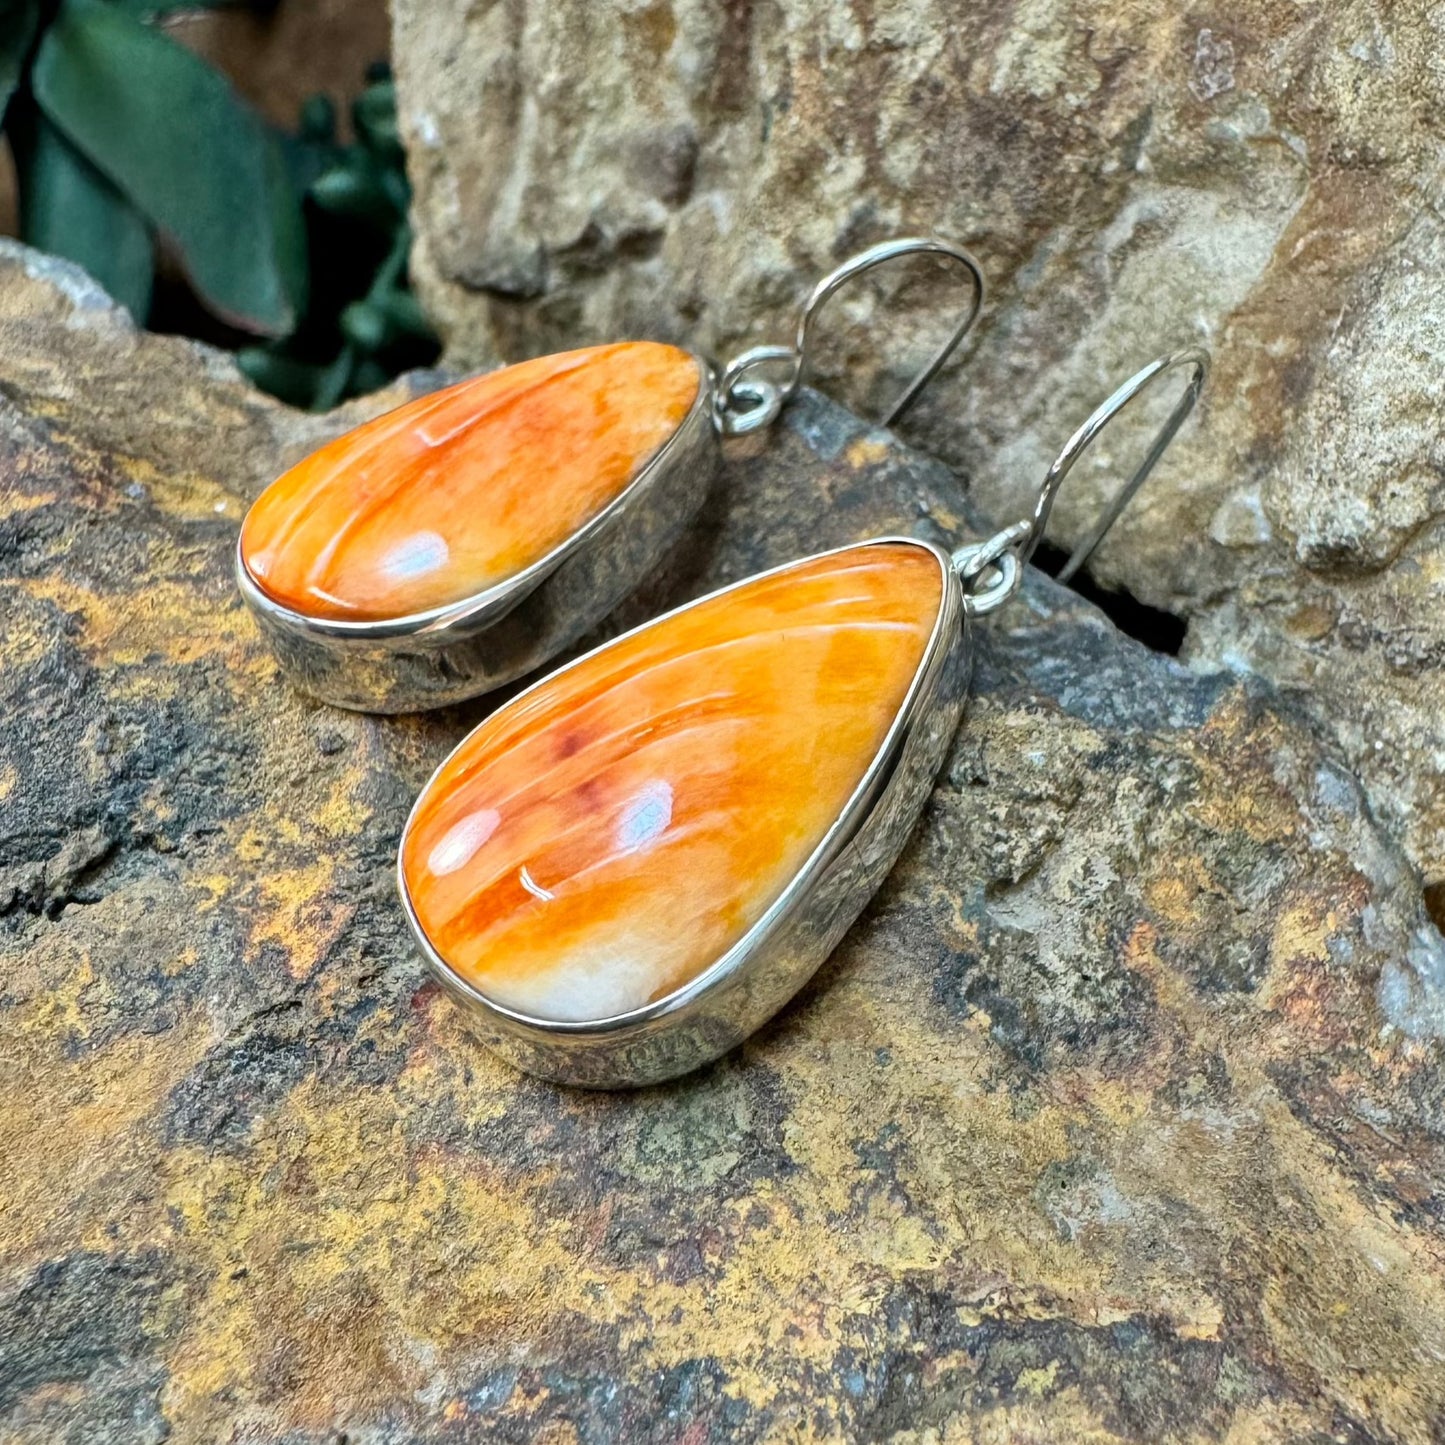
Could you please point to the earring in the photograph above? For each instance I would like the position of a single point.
(633, 864)
(461, 541)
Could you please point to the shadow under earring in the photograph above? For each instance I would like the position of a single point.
(464, 539)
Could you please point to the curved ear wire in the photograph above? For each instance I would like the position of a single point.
(765, 399)
(1193, 357)
(881, 255)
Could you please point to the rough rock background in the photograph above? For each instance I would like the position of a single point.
(1118, 1117)
(1265, 178)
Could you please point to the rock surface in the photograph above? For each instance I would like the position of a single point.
(1117, 1117)
(1264, 178)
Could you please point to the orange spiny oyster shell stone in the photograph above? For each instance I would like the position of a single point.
(603, 838)
(460, 490)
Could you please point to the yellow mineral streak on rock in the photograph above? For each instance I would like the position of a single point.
(1173, 898)
(1205, 1324)
(291, 862)
(1171, 988)
(189, 496)
(341, 815)
(160, 623)
(1302, 934)
(1396, 1304)
(1035, 1382)
(867, 451)
(337, 1230)
(58, 1008)
(336, 1204)
(1263, 812)
(1389, 1274)
(294, 911)
(16, 498)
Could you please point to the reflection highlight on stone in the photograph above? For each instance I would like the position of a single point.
(646, 816)
(419, 554)
(461, 841)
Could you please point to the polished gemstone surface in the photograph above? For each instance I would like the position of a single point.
(606, 836)
(460, 490)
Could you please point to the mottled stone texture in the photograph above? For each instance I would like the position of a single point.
(1262, 177)
(1118, 1117)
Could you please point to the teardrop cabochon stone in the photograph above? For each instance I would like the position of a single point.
(453, 494)
(606, 837)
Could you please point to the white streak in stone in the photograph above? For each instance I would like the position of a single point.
(595, 983)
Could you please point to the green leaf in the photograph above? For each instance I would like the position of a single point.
(314, 149)
(68, 207)
(17, 30)
(356, 189)
(317, 121)
(293, 381)
(176, 140)
(404, 313)
(150, 9)
(335, 383)
(373, 113)
(383, 317)
(307, 160)
(365, 326)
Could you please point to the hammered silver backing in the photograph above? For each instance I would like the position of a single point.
(483, 642)
(783, 950)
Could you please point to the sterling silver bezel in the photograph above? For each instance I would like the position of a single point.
(446, 654)
(755, 978)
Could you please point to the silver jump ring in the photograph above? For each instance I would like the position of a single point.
(761, 399)
(733, 420)
(1194, 357)
(990, 571)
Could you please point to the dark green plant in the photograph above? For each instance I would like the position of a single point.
(362, 324)
(121, 136)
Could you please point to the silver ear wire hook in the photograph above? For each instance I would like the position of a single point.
(766, 398)
(997, 564)
(1195, 358)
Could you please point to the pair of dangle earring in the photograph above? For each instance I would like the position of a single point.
(637, 861)
(463, 540)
